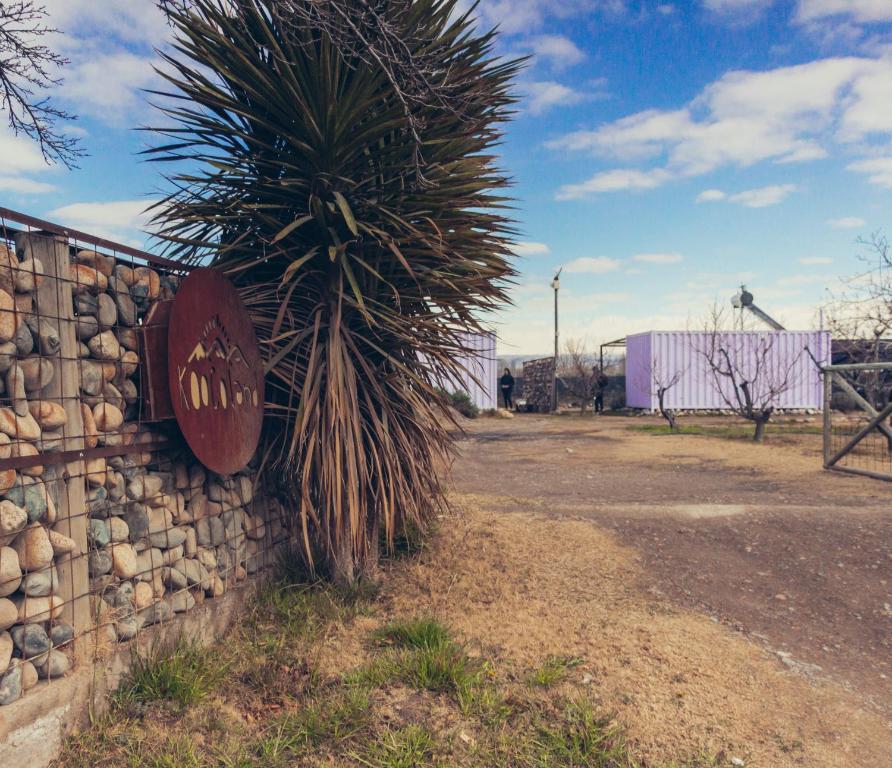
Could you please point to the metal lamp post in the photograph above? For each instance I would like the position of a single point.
(556, 285)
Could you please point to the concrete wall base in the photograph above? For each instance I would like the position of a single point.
(32, 729)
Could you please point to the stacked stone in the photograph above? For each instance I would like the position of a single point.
(182, 535)
(163, 534)
(32, 641)
(538, 376)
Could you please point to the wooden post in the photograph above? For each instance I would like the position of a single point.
(828, 423)
(67, 485)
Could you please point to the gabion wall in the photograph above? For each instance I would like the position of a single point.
(108, 525)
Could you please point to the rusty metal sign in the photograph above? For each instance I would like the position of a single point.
(215, 372)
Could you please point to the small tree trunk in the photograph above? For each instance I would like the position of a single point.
(342, 563)
(761, 422)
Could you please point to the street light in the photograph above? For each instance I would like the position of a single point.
(556, 285)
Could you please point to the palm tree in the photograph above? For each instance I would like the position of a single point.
(340, 171)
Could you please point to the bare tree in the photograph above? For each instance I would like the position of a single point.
(576, 371)
(28, 68)
(747, 373)
(860, 319)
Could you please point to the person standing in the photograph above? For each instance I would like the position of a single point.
(601, 383)
(506, 384)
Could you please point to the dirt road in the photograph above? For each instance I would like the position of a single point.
(758, 537)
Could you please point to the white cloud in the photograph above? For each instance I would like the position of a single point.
(134, 22)
(878, 170)
(710, 196)
(815, 260)
(860, 10)
(559, 51)
(530, 249)
(763, 196)
(545, 94)
(120, 220)
(525, 16)
(784, 115)
(108, 86)
(24, 186)
(846, 222)
(658, 258)
(598, 265)
(612, 181)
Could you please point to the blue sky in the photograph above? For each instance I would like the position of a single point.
(664, 152)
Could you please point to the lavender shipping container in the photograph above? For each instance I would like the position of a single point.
(481, 381)
(655, 358)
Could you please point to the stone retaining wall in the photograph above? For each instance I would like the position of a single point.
(127, 530)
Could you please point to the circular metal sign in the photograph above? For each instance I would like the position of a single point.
(215, 372)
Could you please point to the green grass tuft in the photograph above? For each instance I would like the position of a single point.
(413, 633)
(553, 670)
(183, 675)
(409, 747)
(580, 737)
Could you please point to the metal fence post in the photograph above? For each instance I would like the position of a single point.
(828, 395)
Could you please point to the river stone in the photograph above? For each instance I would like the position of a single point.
(62, 544)
(107, 312)
(116, 486)
(40, 583)
(174, 578)
(121, 595)
(23, 427)
(12, 520)
(55, 666)
(92, 379)
(6, 647)
(48, 341)
(105, 346)
(28, 276)
(156, 613)
(38, 609)
(127, 628)
(137, 519)
(11, 685)
(182, 601)
(143, 595)
(10, 571)
(126, 308)
(61, 634)
(8, 324)
(8, 352)
(31, 496)
(33, 547)
(97, 503)
(128, 338)
(119, 529)
(99, 262)
(23, 341)
(168, 539)
(29, 675)
(39, 372)
(145, 487)
(203, 532)
(9, 613)
(108, 417)
(100, 562)
(31, 640)
(86, 279)
(148, 561)
(124, 561)
(86, 304)
(218, 531)
(190, 546)
(99, 533)
(49, 415)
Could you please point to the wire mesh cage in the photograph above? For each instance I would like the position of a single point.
(108, 524)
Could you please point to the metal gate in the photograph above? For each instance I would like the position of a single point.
(857, 437)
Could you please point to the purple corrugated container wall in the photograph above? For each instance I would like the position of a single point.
(481, 380)
(655, 358)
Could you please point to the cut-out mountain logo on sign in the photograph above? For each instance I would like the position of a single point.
(216, 374)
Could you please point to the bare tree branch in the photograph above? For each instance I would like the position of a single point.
(27, 68)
